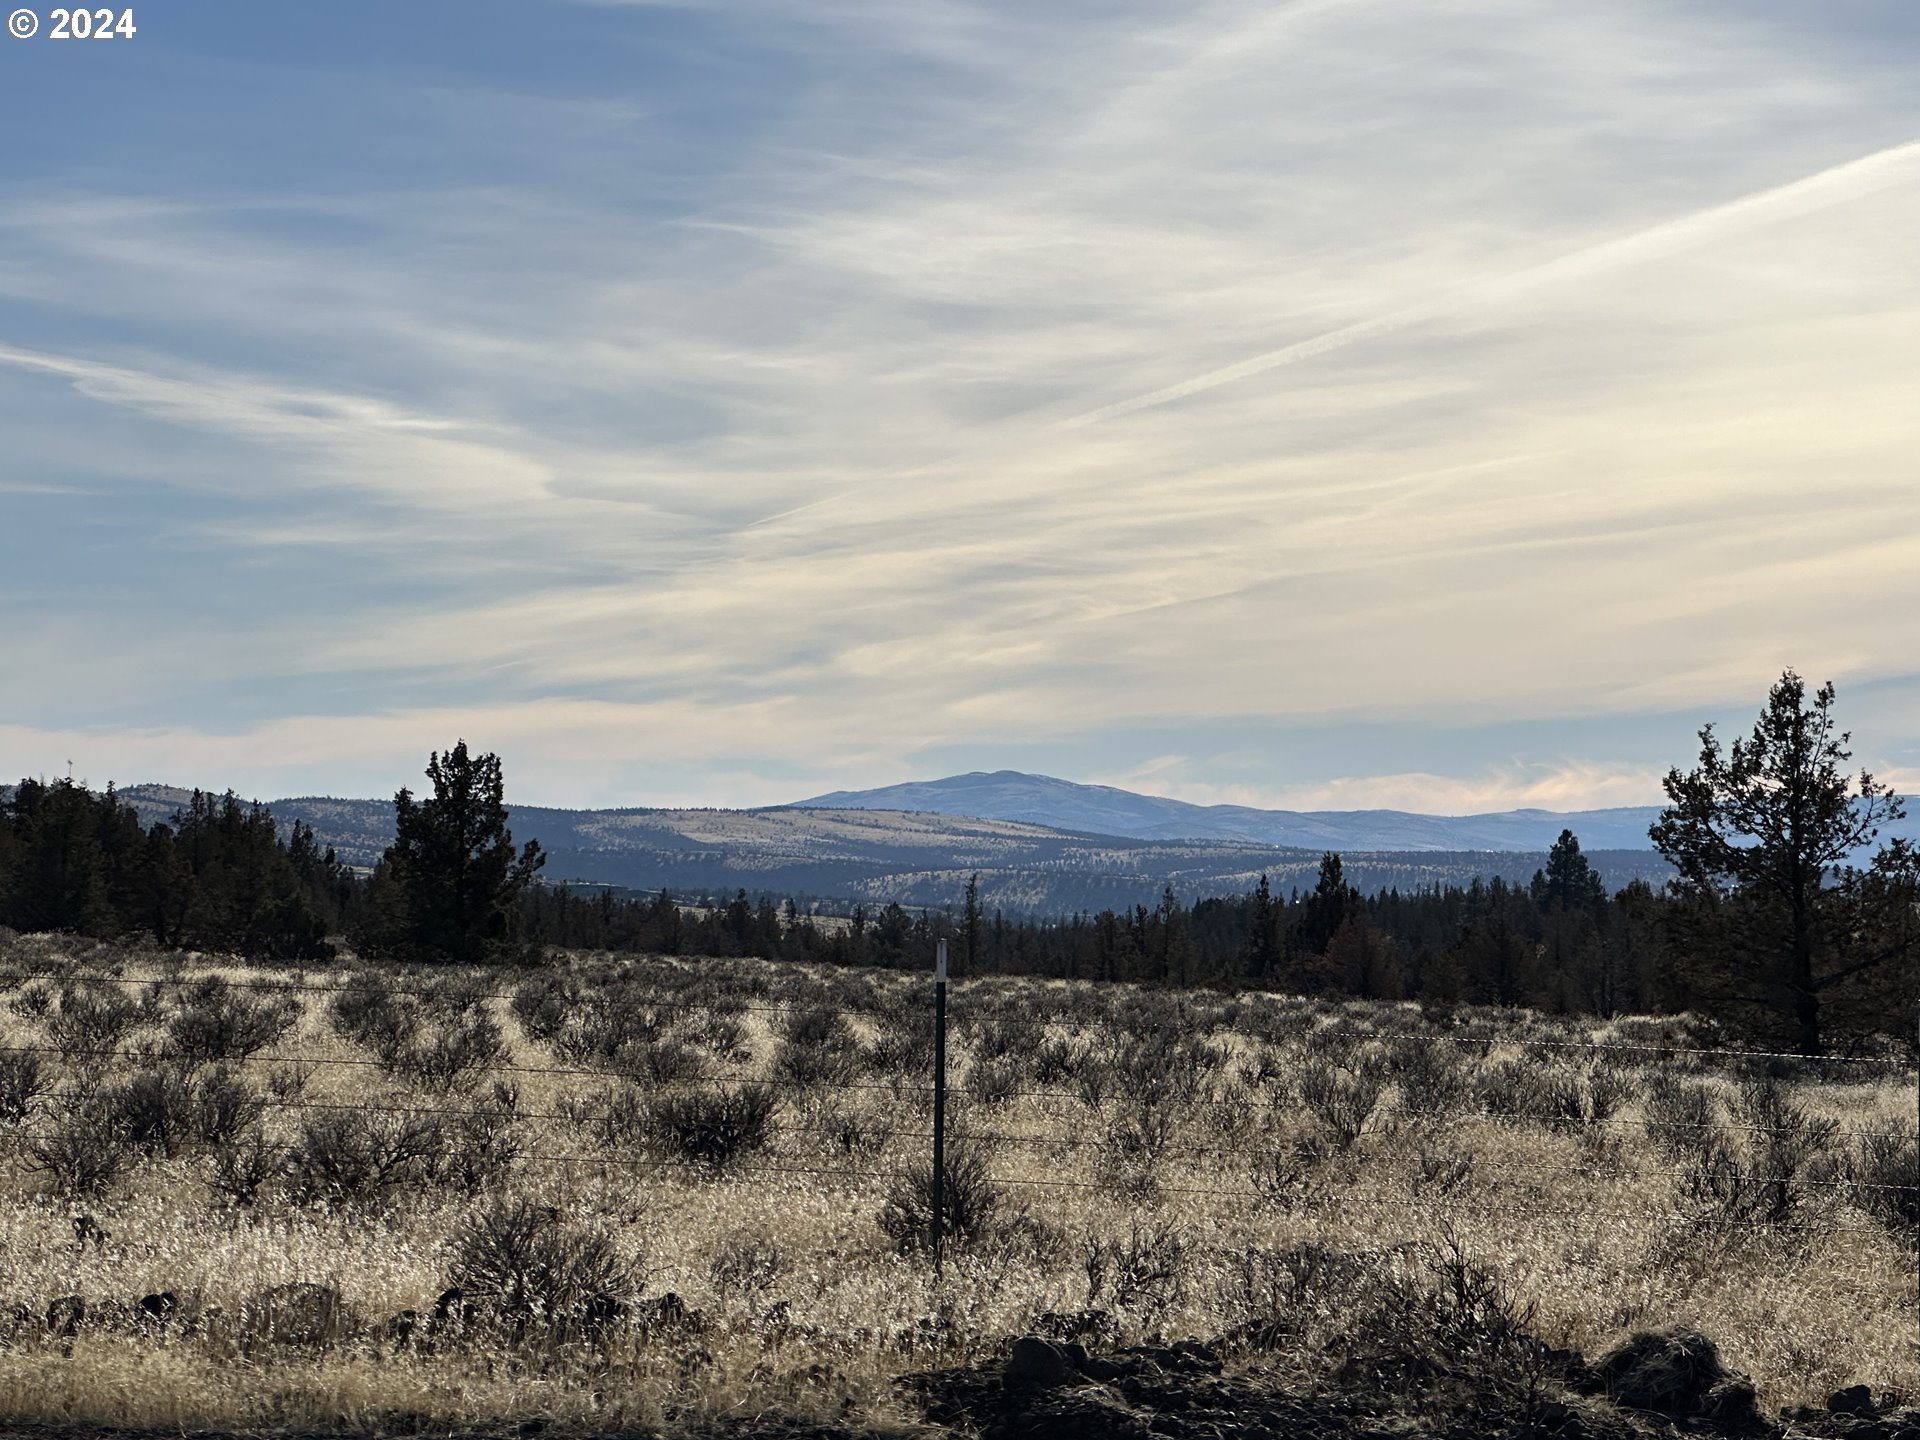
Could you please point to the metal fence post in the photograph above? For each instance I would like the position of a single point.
(939, 1102)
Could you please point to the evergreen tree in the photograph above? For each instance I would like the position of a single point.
(970, 923)
(1263, 932)
(455, 879)
(1569, 881)
(1327, 907)
(1773, 915)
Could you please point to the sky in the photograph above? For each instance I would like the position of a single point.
(1328, 404)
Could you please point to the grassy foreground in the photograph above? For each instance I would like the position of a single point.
(674, 1191)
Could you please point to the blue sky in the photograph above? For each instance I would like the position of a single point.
(1329, 404)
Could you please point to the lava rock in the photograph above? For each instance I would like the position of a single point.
(1085, 1412)
(1854, 1400)
(1037, 1362)
(1732, 1403)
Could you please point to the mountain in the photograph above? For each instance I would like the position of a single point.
(1104, 810)
(918, 858)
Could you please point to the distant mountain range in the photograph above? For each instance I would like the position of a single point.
(837, 850)
(1104, 810)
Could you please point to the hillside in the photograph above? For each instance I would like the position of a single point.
(1105, 810)
(917, 858)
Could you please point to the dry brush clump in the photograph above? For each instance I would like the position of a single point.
(706, 1187)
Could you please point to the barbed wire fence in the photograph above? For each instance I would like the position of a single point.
(25, 1131)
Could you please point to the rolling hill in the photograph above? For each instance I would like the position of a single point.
(849, 854)
(1104, 810)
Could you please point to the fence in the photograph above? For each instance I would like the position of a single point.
(1060, 1121)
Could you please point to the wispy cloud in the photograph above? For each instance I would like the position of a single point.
(1254, 364)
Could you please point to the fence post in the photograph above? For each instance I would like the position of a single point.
(939, 1102)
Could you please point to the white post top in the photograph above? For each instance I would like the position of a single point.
(940, 964)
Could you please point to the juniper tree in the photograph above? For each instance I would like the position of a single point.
(452, 881)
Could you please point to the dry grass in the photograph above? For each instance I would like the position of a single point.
(1220, 1129)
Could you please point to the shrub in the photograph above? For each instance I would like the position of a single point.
(544, 1004)
(1093, 1082)
(1680, 1115)
(34, 1002)
(23, 1082)
(1055, 1062)
(1432, 1079)
(451, 1059)
(1284, 1173)
(244, 1165)
(1574, 1101)
(1762, 1180)
(970, 1202)
(369, 1013)
(1513, 1089)
(665, 1061)
(818, 1048)
(719, 1033)
(904, 1048)
(994, 1081)
(1341, 1099)
(354, 1157)
(1144, 1270)
(1883, 1175)
(481, 1145)
(223, 1106)
(748, 1264)
(86, 1149)
(712, 1128)
(519, 1259)
(91, 1021)
(1141, 1137)
(217, 1022)
(607, 1023)
(153, 1111)
(851, 1132)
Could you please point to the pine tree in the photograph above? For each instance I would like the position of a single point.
(1773, 914)
(1263, 932)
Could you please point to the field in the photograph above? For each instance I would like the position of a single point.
(673, 1192)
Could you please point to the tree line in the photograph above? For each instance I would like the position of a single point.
(1773, 923)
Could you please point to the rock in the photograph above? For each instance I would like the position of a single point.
(1854, 1400)
(1037, 1362)
(1668, 1372)
(156, 1310)
(1085, 1412)
(1732, 1403)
